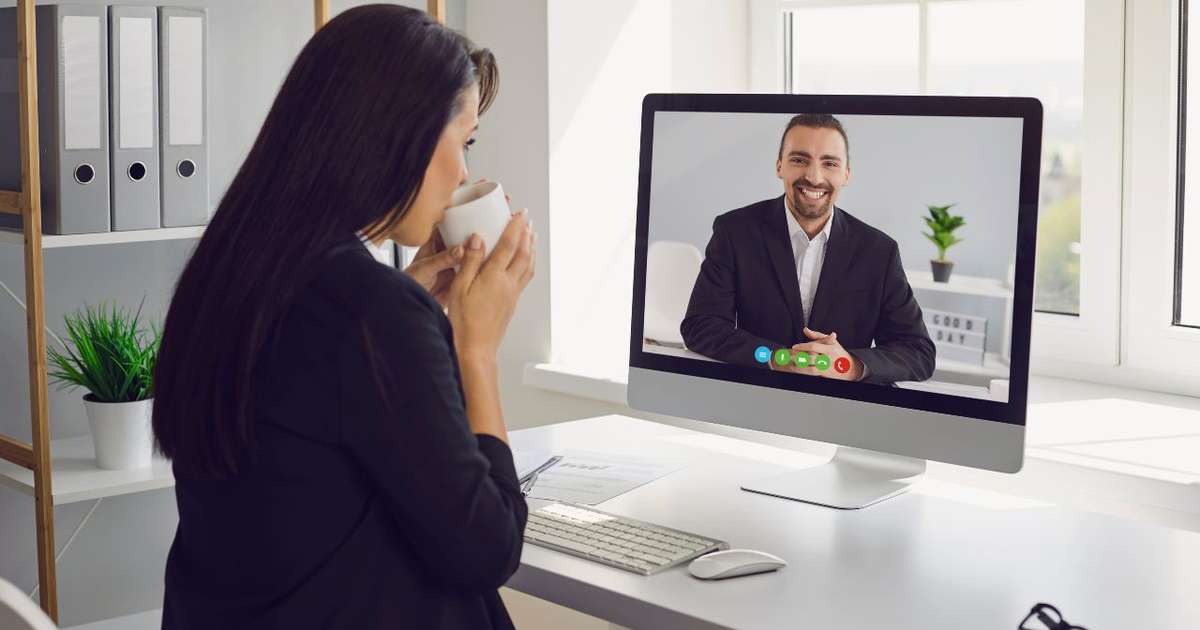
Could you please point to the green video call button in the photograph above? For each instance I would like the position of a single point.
(803, 359)
(822, 362)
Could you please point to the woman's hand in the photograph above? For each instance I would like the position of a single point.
(433, 267)
(484, 293)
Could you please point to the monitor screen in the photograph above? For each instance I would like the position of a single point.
(860, 247)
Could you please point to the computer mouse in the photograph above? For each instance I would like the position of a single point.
(733, 563)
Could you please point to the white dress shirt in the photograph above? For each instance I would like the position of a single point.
(382, 253)
(809, 255)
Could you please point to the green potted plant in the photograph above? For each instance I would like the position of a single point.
(112, 357)
(942, 225)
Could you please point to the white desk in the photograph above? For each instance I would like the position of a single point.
(942, 556)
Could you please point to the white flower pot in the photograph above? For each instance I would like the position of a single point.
(121, 433)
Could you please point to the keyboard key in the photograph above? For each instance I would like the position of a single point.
(569, 544)
(651, 557)
(680, 555)
(614, 556)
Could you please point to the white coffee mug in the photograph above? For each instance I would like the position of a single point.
(477, 208)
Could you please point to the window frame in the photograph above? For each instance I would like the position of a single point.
(1154, 344)
(1180, 159)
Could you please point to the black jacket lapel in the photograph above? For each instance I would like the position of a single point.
(838, 252)
(779, 250)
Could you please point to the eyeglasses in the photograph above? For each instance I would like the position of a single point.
(1046, 617)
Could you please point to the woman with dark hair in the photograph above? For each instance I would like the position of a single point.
(340, 456)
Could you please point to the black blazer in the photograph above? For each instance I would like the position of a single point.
(369, 504)
(747, 295)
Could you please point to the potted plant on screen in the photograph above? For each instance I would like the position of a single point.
(112, 357)
(942, 225)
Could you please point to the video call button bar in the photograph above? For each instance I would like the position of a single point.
(785, 356)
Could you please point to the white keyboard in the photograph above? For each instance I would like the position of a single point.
(617, 541)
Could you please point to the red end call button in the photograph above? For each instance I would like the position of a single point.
(842, 365)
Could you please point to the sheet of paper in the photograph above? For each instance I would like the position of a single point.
(526, 461)
(590, 478)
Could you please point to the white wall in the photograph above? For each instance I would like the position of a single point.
(563, 138)
(512, 146)
(710, 51)
(565, 87)
(604, 58)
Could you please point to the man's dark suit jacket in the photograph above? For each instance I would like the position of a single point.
(747, 295)
(370, 503)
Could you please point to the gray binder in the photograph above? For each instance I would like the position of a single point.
(72, 50)
(133, 87)
(184, 142)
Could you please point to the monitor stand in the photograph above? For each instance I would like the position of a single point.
(853, 479)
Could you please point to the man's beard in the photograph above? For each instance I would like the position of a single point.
(801, 203)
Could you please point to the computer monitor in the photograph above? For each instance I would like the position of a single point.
(856, 270)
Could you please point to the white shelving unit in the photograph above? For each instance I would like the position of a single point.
(965, 285)
(149, 620)
(994, 365)
(52, 241)
(75, 477)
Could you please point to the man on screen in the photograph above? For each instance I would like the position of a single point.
(797, 272)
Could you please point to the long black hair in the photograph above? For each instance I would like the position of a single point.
(344, 147)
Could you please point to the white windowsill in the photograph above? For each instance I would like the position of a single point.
(1104, 448)
(564, 380)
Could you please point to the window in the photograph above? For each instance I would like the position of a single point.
(604, 57)
(966, 48)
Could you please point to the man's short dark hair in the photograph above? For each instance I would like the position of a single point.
(819, 121)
